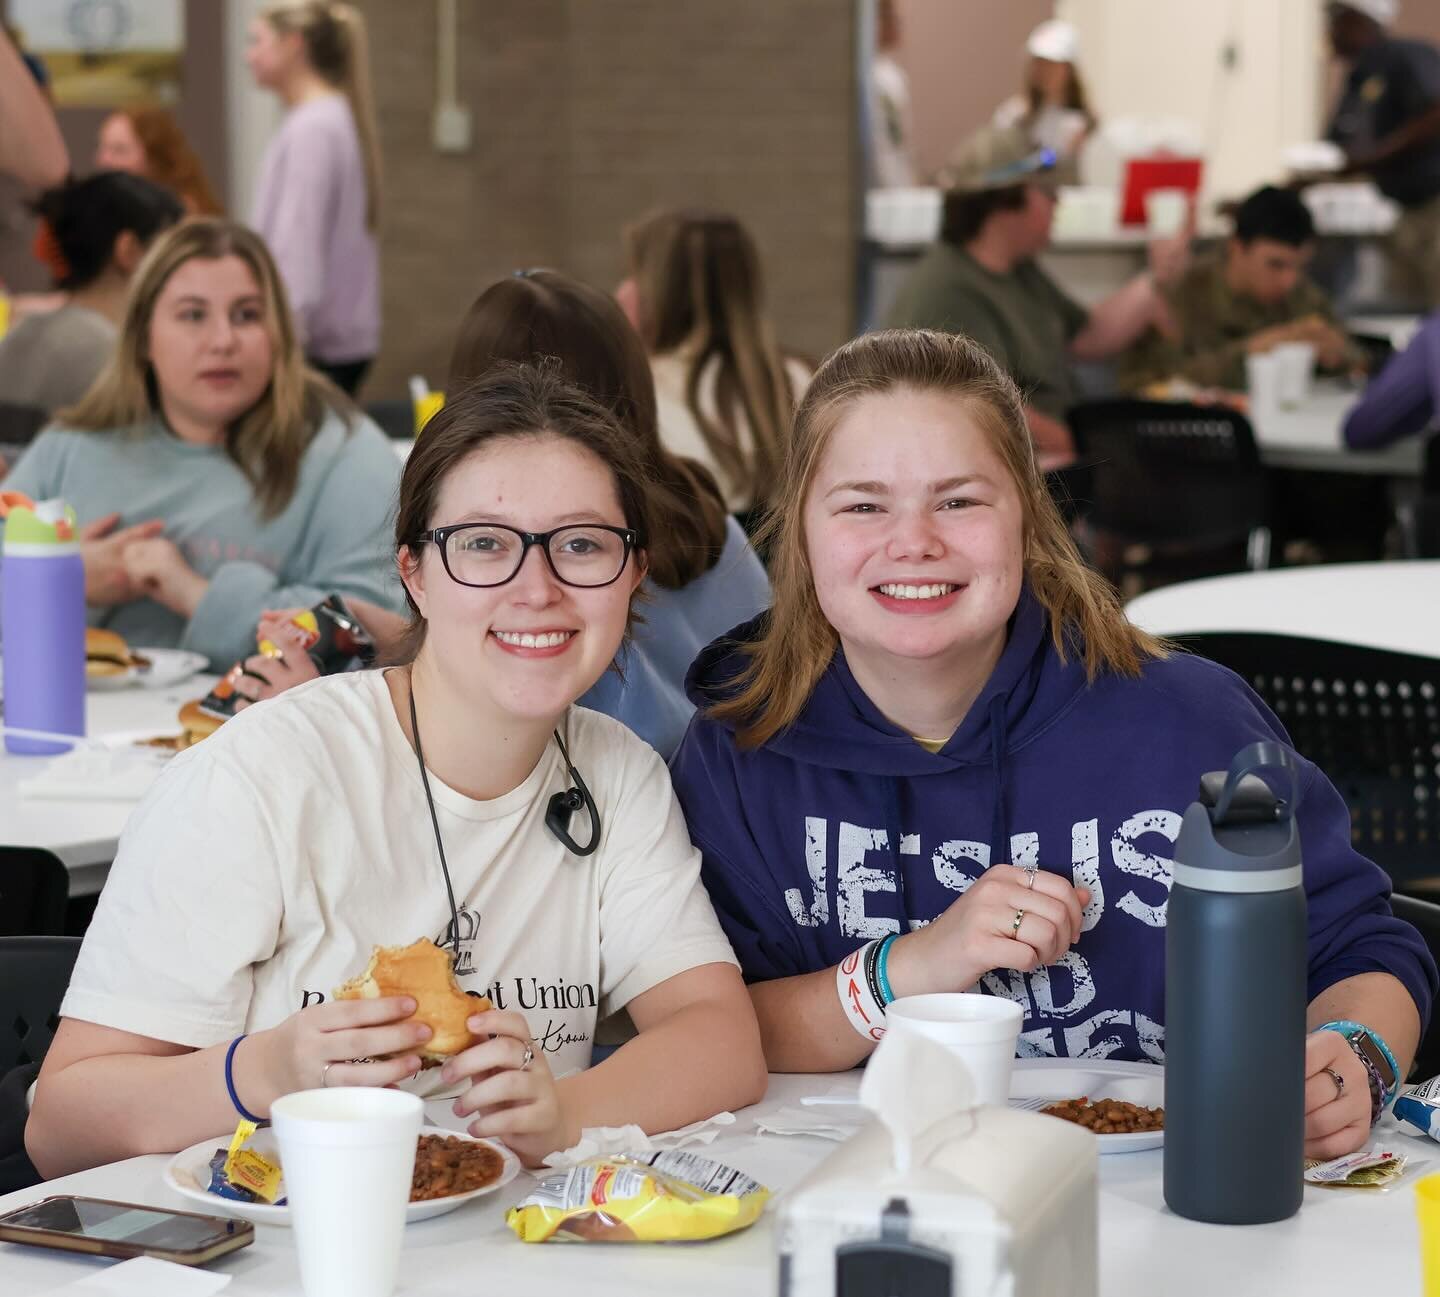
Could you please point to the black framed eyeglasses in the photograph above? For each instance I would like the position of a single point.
(484, 554)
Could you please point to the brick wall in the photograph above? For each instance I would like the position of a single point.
(589, 112)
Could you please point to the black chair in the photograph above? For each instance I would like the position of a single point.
(1370, 719)
(34, 886)
(396, 418)
(1183, 480)
(1427, 506)
(1425, 916)
(34, 972)
(18, 426)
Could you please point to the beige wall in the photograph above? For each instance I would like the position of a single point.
(586, 114)
(963, 57)
(1420, 18)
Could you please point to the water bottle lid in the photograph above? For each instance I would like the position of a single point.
(48, 527)
(1241, 835)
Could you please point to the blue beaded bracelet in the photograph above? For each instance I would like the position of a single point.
(230, 1083)
(1347, 1028)
(882, 970)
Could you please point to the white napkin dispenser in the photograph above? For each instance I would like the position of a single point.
(995, 1203)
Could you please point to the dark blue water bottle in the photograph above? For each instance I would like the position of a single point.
(1235, 1001)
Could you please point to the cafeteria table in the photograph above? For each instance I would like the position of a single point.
(1341, 1241)
(84, 833)
(1310, 437)
(1392, 606)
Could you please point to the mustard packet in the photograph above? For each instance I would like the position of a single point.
(248, 1173)
(663, 1197)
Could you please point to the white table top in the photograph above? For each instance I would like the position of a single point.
(1310, 437)
(1394, 606)
(84, 833)
(1342, 1241)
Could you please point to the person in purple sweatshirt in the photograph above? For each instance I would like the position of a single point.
(945, 737)
(1403, 400)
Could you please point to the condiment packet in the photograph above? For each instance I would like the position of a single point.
(650, 1198)
(243, 1174)
(1419, 1106)
(1370, 1168)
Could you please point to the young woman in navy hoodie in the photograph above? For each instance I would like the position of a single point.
(946, 737)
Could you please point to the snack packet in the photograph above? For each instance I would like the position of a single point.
(329, 632)
(1370, 1168)
(647, 1198)
(243, 1174)
(1419, 1106)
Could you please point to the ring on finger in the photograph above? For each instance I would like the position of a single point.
(1030, 878)
(1339, 1082)
(325, 1074)
(1015, 925)
(529, 1056)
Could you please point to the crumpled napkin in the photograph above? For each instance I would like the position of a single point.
(97, 774)
(604, 1141)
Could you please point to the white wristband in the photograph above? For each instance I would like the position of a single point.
(861, 1007)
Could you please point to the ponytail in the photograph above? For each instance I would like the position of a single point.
(338, 48)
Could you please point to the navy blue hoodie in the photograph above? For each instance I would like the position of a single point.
(1088, 780)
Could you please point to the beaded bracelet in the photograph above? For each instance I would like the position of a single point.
(230, 1083)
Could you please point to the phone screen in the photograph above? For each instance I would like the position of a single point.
(117, 1223)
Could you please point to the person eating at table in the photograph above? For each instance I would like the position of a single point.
(462, 796)
(946, 748)
(1250, 299)
(701, 574)
(215, 475)
(1403, 399)
(981, 278)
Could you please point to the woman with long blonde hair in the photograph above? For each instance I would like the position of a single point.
(725, 391)
(318, 204)
(213, 472)
(945, 761)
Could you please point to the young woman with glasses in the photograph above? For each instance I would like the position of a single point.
(539, 840)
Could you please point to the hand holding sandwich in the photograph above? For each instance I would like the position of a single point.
(512, 1093)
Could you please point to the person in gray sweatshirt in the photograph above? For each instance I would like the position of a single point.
(213, 473)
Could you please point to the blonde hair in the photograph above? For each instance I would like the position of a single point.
(797, 643)
(699, 281)
(267, 442)
(338, 47)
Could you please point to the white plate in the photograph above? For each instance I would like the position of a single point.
(189, 1172)
(167, 667)
(1096, 1078)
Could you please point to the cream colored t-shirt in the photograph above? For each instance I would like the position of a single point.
(267, 862)
(680, 432)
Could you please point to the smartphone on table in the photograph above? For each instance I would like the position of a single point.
(123, 1229)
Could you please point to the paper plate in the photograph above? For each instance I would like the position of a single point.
(189, 1172)
(1056, 1079)
(169, 666)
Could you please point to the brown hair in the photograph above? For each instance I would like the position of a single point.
(169, 159)
(701, 290)
(1075, 98)
(267, 442)
(338, 48)
(964, 212)
(797, 644)
(542, 313)
(510, 401)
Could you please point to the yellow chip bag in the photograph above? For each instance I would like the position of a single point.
(646, 1198)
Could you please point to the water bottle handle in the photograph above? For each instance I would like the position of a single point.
(1265, 755)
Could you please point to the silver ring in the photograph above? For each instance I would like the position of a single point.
(529, 1056)
(325, 1074)
(1339, 1082)
(1030, 878)
(1019, 919)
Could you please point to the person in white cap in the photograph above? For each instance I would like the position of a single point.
(1052, 108)
(1388, 122)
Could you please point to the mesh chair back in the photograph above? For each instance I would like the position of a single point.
(1166, 473)
(18, 426)
(33, 889)
(1425, 915)
(395, 418)
(1370, 720)
(34, 972)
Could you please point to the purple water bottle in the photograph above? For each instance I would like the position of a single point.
(42, 625)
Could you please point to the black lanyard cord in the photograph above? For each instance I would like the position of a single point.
(557, 814)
